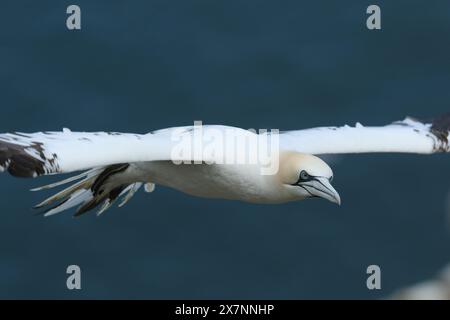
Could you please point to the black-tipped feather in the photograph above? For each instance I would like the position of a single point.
(19, 162)
(99, 199)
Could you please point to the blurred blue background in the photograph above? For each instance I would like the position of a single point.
(143, 65)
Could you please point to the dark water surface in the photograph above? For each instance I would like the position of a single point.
(142, 65)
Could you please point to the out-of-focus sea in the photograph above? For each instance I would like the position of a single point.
(142, 65)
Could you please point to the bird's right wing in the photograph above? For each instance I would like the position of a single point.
(31, 155)
(42, 153)
(107, 155)
(407, 136)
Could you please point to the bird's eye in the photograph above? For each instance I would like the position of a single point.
(304, 175)
(331, 179)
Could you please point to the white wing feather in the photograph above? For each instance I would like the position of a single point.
(31, 155)
(407, 136)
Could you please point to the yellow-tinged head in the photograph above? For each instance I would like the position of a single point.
(307, 176)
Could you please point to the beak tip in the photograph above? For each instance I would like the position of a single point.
(337, 201)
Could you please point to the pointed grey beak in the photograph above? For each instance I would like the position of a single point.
(321, 187)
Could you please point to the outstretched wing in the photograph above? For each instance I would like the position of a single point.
(407, 136)
(41, 153)
(31, 155)
(107, 155)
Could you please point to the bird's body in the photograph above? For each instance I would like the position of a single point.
(264, 167)
(218, 181)
(232, 182)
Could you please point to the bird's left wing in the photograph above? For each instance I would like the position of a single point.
(407, 136)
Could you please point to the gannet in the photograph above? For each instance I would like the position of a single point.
(116, 165)
(436, 288)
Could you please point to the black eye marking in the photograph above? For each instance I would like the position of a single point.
(303, 177)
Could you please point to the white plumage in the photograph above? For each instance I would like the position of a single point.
(119, 164)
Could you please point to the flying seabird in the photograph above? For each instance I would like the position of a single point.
(436, 288)
(118, 164)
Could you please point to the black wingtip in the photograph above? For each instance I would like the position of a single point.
(19, 163)
(441, 123)
(440, 127)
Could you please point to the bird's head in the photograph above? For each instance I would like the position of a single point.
(307, 176)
